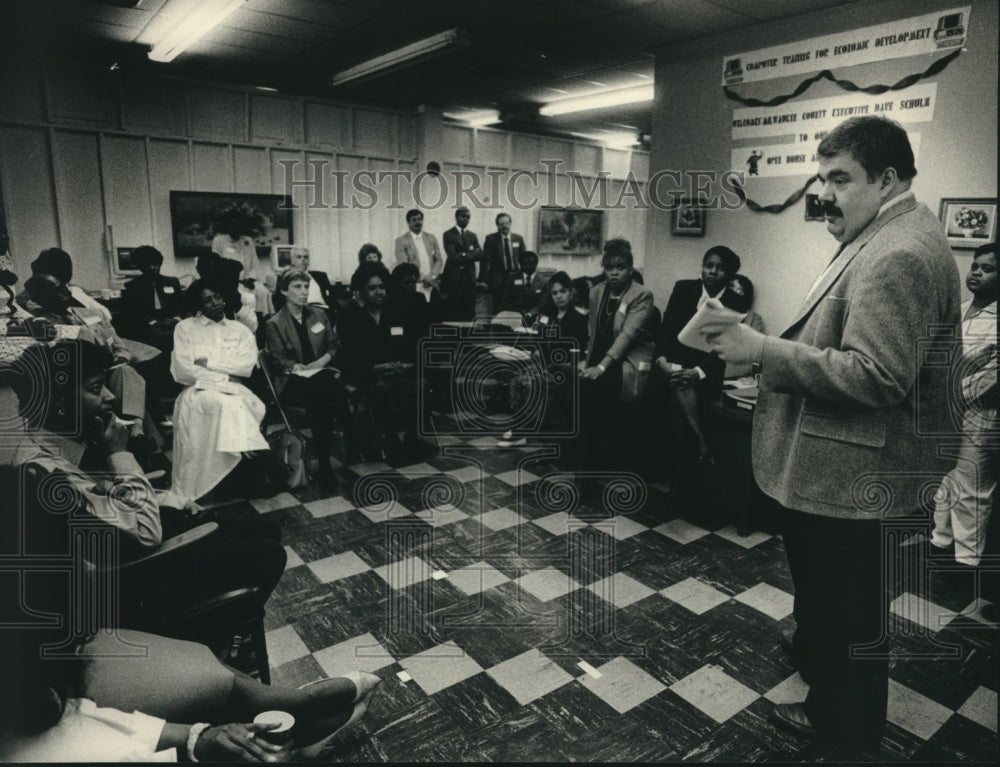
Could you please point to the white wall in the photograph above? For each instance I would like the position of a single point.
(783, 253)
(81, 149)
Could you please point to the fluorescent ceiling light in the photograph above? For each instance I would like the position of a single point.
(422, 49)
(476, 118)
(613, 140)
(199, 19)
(599, 100)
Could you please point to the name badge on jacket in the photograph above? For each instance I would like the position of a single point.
(518, 282)
(623, 308)
(317, 327)
(168, 290)
(395, 331)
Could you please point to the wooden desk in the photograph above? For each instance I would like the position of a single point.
(729, 433)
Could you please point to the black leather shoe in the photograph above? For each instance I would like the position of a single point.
(792, 718)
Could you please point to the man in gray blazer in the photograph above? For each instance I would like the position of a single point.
(849, 393)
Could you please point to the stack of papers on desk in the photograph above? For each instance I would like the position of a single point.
(744, 397)
(509, 353)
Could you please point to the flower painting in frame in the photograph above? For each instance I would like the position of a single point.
(969, 223)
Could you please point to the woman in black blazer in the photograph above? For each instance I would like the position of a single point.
(691, 373)
(300, 340)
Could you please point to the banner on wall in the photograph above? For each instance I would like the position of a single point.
(930, 33)
(770, 141)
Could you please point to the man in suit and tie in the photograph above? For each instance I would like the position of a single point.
(502, 253)
(421, 248)
(836, 441)
(458, 279)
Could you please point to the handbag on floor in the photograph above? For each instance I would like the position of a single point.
(289, 447)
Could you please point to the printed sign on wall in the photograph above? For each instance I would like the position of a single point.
(918, 35)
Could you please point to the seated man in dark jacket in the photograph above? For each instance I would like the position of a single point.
(153, 303)
(524, 290)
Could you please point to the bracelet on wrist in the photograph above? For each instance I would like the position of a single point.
(193, 734)
(602, 368)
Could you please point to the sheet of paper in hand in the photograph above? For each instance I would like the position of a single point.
(711, 313)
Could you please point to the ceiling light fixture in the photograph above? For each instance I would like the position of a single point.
(613, 139)
(600, 100)
(420, 50)
(476, 119)
(198, 20)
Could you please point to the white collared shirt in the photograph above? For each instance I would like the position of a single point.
(423, 257)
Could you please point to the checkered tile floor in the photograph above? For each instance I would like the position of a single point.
(510, 621)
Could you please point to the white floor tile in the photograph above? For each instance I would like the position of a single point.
(517, 477)
(547, 584)
(921, 611)
(362, 653)
(915, 712)
(746, 541)
(696, 596)
(981, 707)
(476, 577)
(769, 600)
(715, 693)
(440, 667)
(405, 572)
(284, 645)
(623, 685)
(501, 519)
(681, 531)
(324, 508)
(620, 590)
(330, 569)
(792, 690)
(529, 676)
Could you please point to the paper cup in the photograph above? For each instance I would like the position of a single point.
(281, 734)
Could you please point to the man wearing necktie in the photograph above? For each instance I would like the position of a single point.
(502, 253)
(459, 276)
(851, 396)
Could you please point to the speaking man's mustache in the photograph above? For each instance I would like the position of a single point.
(829, 209)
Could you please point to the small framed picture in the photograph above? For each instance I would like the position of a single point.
(814, 208)
(688, 219)
(969, 223)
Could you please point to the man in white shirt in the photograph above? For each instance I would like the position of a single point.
(216, 418)
(421, 248)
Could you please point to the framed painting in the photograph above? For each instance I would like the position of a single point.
(197, 217)
(570, 231)
(969, 222)
(688, 219)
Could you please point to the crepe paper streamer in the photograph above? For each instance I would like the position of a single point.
(776, 207)
(935, 68)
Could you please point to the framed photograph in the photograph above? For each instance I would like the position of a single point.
(197, 217)
(969, 223)
(814, 209)
(688, 219)
(570, 231)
